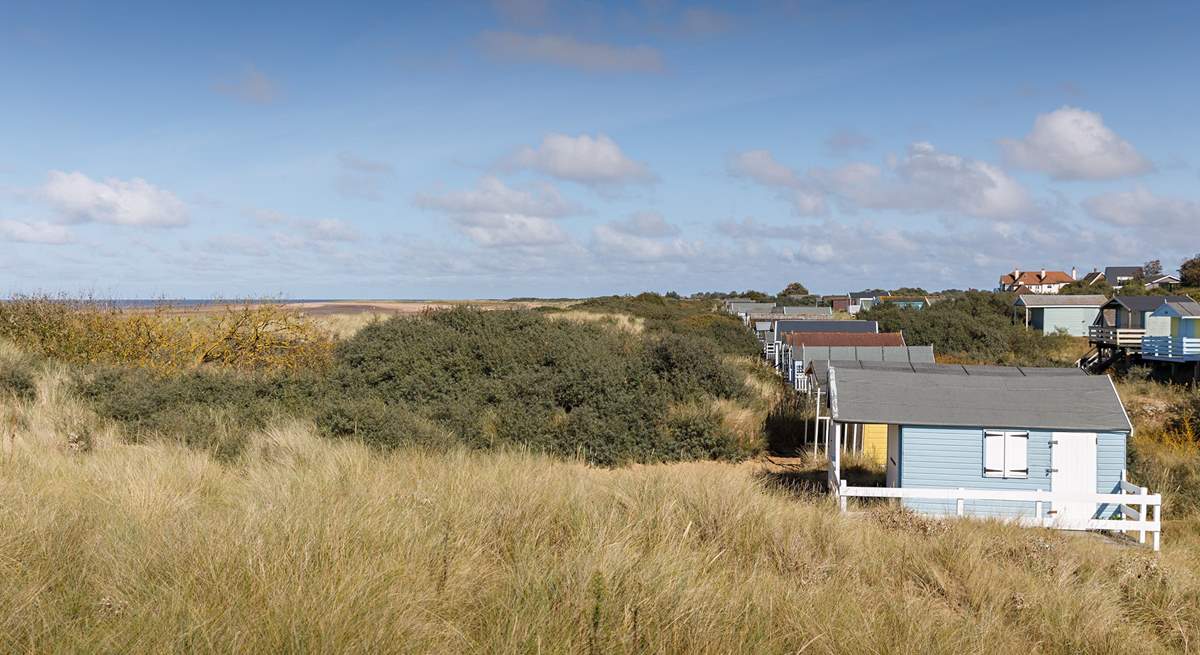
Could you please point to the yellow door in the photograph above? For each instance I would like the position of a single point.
(875, 442)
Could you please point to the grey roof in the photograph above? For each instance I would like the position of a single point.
(1085, 402)
(748, 307)
(1146, 303)
(1053, 300)
(763, 326)
(1187, 308)
(803, 325)
(859, 295)
(1111, 273)
(922, 362)
(883, 354)
(808, 311)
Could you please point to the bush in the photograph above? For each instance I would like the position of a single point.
(692, 318)
(461, 376)
(251, 336)
(17, 380)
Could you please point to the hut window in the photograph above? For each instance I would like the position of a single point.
(1005, 454)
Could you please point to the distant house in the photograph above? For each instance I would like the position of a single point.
(1181, 343)
(1050, 313)
(1117, 276)
(1092, 278)
(1035, 281)
(793, 360)
(1164, 282)
(905, 302)
(1028, 445)
(838, 303)
(1123, 321)
(743, 309)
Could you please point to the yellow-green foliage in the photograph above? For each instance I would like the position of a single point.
(249, 336)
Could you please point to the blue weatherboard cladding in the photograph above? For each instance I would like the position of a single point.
(949, 458)
(1075, 320)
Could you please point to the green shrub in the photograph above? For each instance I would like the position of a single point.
(692, 318)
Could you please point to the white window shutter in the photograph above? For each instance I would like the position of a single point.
(993, 454)
(1016, 454)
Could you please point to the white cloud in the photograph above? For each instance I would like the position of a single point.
(496, 215)
(1140, 207)
(252, 86)
(35, 232)
(329, 229)
(135, 202)
(925, 179)
(566, 51)
(590, 160)
(493, 196)
(646, 224)
(1075, 144)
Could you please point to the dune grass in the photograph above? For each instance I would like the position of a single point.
(302, 544)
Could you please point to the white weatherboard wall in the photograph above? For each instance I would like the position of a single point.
(950, 458)
(1075, 320)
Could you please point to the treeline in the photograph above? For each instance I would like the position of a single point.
(696, 317)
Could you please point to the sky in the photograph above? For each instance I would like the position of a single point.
(554, 149)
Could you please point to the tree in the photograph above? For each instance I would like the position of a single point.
(794, 289)
(1189, 272)
(909, 291)
(1081, 288)
(1152, 269)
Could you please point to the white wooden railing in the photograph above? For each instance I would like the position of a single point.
(1171, 347)
(1120, 337)
(1140, 510)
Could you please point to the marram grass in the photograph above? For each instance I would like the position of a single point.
(308, 545)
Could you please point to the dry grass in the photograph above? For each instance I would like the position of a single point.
(625, 322)
(307, 545)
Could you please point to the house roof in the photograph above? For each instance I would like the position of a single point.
(1145, 303)
(863, 356)
(820, 368)
(1186, 309)
(748, 307)
(859, 295)
(808, 311)
(1172, 279)
(1040, 300)
(1093, 277)
(809, 325)
(1114, 272)
(844, 339)
(1050, 402)
(1036, 277)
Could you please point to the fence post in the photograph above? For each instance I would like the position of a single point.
(961, 502)
(1144, 517)
(842, 496)
(1037, 510)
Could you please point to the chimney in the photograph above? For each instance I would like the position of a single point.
(1043, 274)
(1074, 273)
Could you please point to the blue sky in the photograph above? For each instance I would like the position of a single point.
(527, 147)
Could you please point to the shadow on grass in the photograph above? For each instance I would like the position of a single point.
(809, 478)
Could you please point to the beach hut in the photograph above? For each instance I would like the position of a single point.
(1026, 445)
(1051, 313)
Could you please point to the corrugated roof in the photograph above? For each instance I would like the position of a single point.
(802, 325)
(1146, 303)
(1187, 308)
(922, 362)
(844, 338)
(989, 401)
(808, 311)
(1051, 300)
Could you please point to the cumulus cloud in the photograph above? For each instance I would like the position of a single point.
(646, 224)
(643, 237)
(1140, 207)
(359, 177)
(568, 52)
(925, 179)
(496, 215)
(1075, 144)
(251, 86)
(78, 198)
(595, 161)
(34, 232)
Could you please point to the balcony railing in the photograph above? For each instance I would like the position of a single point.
(1120, 337)
(1171, 348)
